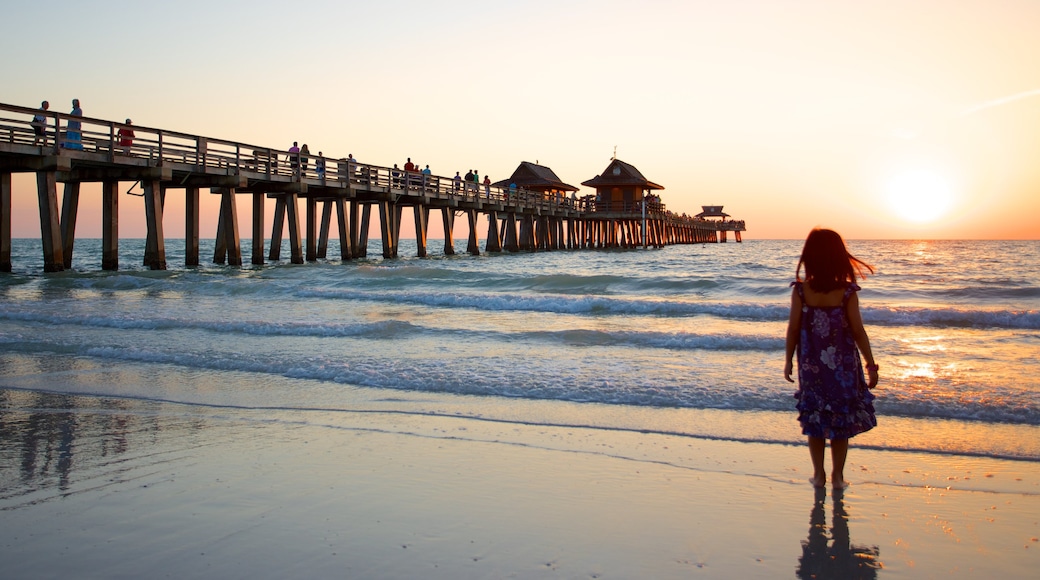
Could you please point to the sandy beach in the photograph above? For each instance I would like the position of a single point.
(115, 488)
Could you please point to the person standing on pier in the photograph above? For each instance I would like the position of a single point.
(352, 166)
(73, 137)
(126, 138)
(469, 180)
(476, 182)
(456, 182)
(294, 158)
(487, 186)
(319, 165)
(39, 124)
(304, 152)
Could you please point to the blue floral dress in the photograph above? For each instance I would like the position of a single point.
(833, 399)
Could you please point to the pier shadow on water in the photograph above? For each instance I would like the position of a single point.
(54, 445)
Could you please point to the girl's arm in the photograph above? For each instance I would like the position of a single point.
(794, 325)
(862, 341)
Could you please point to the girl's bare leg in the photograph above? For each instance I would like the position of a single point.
(816, 447)
(839, 450)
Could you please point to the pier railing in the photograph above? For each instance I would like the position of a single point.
(158, 147)
(76, 149)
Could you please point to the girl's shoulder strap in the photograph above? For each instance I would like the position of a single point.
(852, 287)
(799, 287)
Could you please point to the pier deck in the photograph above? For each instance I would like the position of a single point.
(162, 160)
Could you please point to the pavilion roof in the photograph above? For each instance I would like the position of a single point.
(535, 177)
(712, 211)
(618, 174)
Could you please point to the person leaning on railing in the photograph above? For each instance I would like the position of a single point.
(39, 125)
(126, 138)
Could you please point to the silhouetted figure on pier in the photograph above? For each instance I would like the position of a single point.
(319, 165)
(457, 182)
(73, 137)
(469, 180)
(487, 186)
(126, 138)
(304, 152)
(409, 166)
(294, 157)
(39, 125)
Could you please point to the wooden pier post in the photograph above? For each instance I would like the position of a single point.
(346, 249)
(69, 212)
(512, 244)
(448, 220)
(155, 245)
(312, 229)
(228, 242)
(234, 241)
(285, 207)
(110, 225)
(494, 236)
(421, 215)
(473, 244)
(191, 226)
(354, 218)
(257, 257)
(50, 225)
(5, 222)
(366, 219)
(277, 225)
(324, 228)
(386, 227)
(292, 216)
(396, 237)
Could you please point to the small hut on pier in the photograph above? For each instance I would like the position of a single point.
(620, 188)
(712, 211)
(534, 177)
(723, 224)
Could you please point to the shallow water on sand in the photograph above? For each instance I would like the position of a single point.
(685, 340)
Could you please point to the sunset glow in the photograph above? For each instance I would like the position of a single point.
(789, 114)
(919, 196)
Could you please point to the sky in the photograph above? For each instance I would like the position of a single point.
(884, 119)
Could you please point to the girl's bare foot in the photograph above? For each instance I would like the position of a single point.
(839, 484)
(818, 481)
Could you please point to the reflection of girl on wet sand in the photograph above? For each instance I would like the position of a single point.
(841, 558)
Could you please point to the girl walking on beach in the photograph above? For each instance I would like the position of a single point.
(825, 327)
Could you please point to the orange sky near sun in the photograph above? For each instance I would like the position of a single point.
(791, 113)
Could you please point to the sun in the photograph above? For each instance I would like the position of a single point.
(919, 196)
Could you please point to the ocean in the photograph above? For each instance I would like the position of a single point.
(685, 340)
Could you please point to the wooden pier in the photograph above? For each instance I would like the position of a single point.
(162, 161)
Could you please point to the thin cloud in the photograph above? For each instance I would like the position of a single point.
(999, 102)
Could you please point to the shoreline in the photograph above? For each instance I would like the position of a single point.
(130, 487)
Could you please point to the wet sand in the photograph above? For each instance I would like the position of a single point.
(112, 488)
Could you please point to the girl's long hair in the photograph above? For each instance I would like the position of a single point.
(828, 264)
